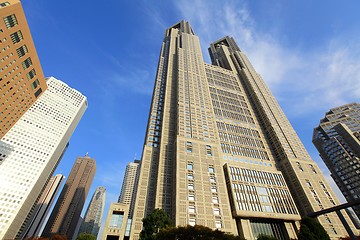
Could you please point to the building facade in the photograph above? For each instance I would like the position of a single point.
(43, 206)
(220, 152)
(129, 186)
(31, 151)
(116, 222)
(337, 138)
(21, 78)
(93, 216)
(66, 213)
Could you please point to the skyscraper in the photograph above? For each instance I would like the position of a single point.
(66, 213)
(337, 138)
(129, 186)
(43, 206)
(31, 151)
(92, 219)
(21, 78)
(220, 152)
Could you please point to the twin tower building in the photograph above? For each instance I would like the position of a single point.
(218, 152)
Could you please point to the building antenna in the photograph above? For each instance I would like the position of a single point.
(86, 154)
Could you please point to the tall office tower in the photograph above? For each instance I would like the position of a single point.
(92, 219)
(43, 207)
(220, 152)
(129, 186)
(31, 151)
(337, 138)
(21, 78)
(66, 213)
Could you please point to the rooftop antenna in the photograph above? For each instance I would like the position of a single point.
(86, 154)
(135, 157)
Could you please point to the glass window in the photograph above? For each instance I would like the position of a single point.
(10, 21)
(116, 219)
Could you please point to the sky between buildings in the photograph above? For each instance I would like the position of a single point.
(308, 52)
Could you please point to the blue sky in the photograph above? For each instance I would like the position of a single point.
(308, 52)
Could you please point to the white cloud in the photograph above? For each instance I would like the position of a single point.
(304, 81)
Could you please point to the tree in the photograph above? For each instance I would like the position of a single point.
(86, 236)
(310, 229)
(156, 220)
(196, 232)
(59, 237)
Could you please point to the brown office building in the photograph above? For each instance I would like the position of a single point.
(65, 216)
(21, 78)
(220, 152)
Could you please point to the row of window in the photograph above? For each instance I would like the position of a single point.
(255, 176)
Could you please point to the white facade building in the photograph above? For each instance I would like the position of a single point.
(31, 151)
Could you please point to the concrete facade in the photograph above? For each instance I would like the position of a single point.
(66, 213)
(337, 138)
(21, 78)
(220, 152)
(93, 216)
(116, 222)
(43, 206)
(129, 186)
(31, 151)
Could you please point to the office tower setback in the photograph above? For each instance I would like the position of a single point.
(92, 219)
(31, 151)
(21, 78)
(129, 186)
(43, 206)
(337, 138)
(66, 213)
(220, 152)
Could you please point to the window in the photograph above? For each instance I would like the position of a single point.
(4, 4)
(192, 221)
(192, 209)
(208, 150)
(26, 63)
(31, 74)
(10, 21)
(216, 211)
(190, 166)
(191, 197)
(211, 169)
(16, 37)
(218, 224)
(37, 93)
(21, 51)
(116, 219)
(188, 146)
(35, 84)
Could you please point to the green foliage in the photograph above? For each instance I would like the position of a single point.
(196, 232)
(86, 236)
(265, 237)
(310, 229)
(156, 220)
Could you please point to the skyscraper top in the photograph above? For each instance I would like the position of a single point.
(182, 26)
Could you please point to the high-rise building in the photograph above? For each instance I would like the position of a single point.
(129, 186)
(43, 206)
(92, 219)
(31, 151)
(65, 216)
(337, 138)
(21, 78)
(220, 152)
